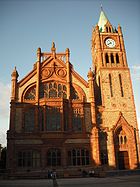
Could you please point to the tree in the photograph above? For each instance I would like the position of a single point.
(3, 158)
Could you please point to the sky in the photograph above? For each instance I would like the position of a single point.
(26, 25)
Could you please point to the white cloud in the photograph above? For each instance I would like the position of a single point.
(3, 139)
(5, 100)
(136, 67)
(135, 72)
(4, 111)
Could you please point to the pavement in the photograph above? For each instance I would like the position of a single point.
(120, 181)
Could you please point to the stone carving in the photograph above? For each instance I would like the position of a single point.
(48, 72)
(61, 72)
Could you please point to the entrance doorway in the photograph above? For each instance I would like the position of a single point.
(123, 160)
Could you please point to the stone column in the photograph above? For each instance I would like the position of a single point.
(64, 158)
(110, 149)
(38, 74)
(94, 138)
(68, 72)
(94, 141)
(122, 45)
(68, 66)
(114, 55)
(98, 44)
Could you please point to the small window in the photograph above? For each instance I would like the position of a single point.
(107, 58)
(112, 58)
(117, 58)
(121, 87)
(110, 82)
(50, 85)
(125, 140)
(55, 85)
(106, 29)
(64, 88)
(121, 140)
(59, 87)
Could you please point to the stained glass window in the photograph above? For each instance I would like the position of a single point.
(53, 90)
(74, 93)
(30, 94)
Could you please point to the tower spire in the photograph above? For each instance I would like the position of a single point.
(103, 20)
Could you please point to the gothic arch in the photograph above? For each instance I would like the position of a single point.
(30, 89)
(124, 143)
(80, 91)
(122, 123)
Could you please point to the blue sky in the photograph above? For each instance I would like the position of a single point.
(26, 25)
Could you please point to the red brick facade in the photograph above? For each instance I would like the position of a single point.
(60, 121)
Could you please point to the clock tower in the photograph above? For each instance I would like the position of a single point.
(115, 109)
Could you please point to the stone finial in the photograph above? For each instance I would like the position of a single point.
(15, 73)
(67, 51)
(38, 54)
(90, 73)
(53, 44)
(38, 50)
(14, 84)
(67, 54)
(96, 27)
(119, 29)
(53, 49)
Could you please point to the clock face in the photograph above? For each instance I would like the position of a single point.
(110, 42)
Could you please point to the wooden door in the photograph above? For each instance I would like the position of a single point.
(123, 160)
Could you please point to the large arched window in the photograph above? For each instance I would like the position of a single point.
(54, 157)
(30, 94)
(53, 90)
(77, 157)
(28, 159)
(29, 119)
(74, 93)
